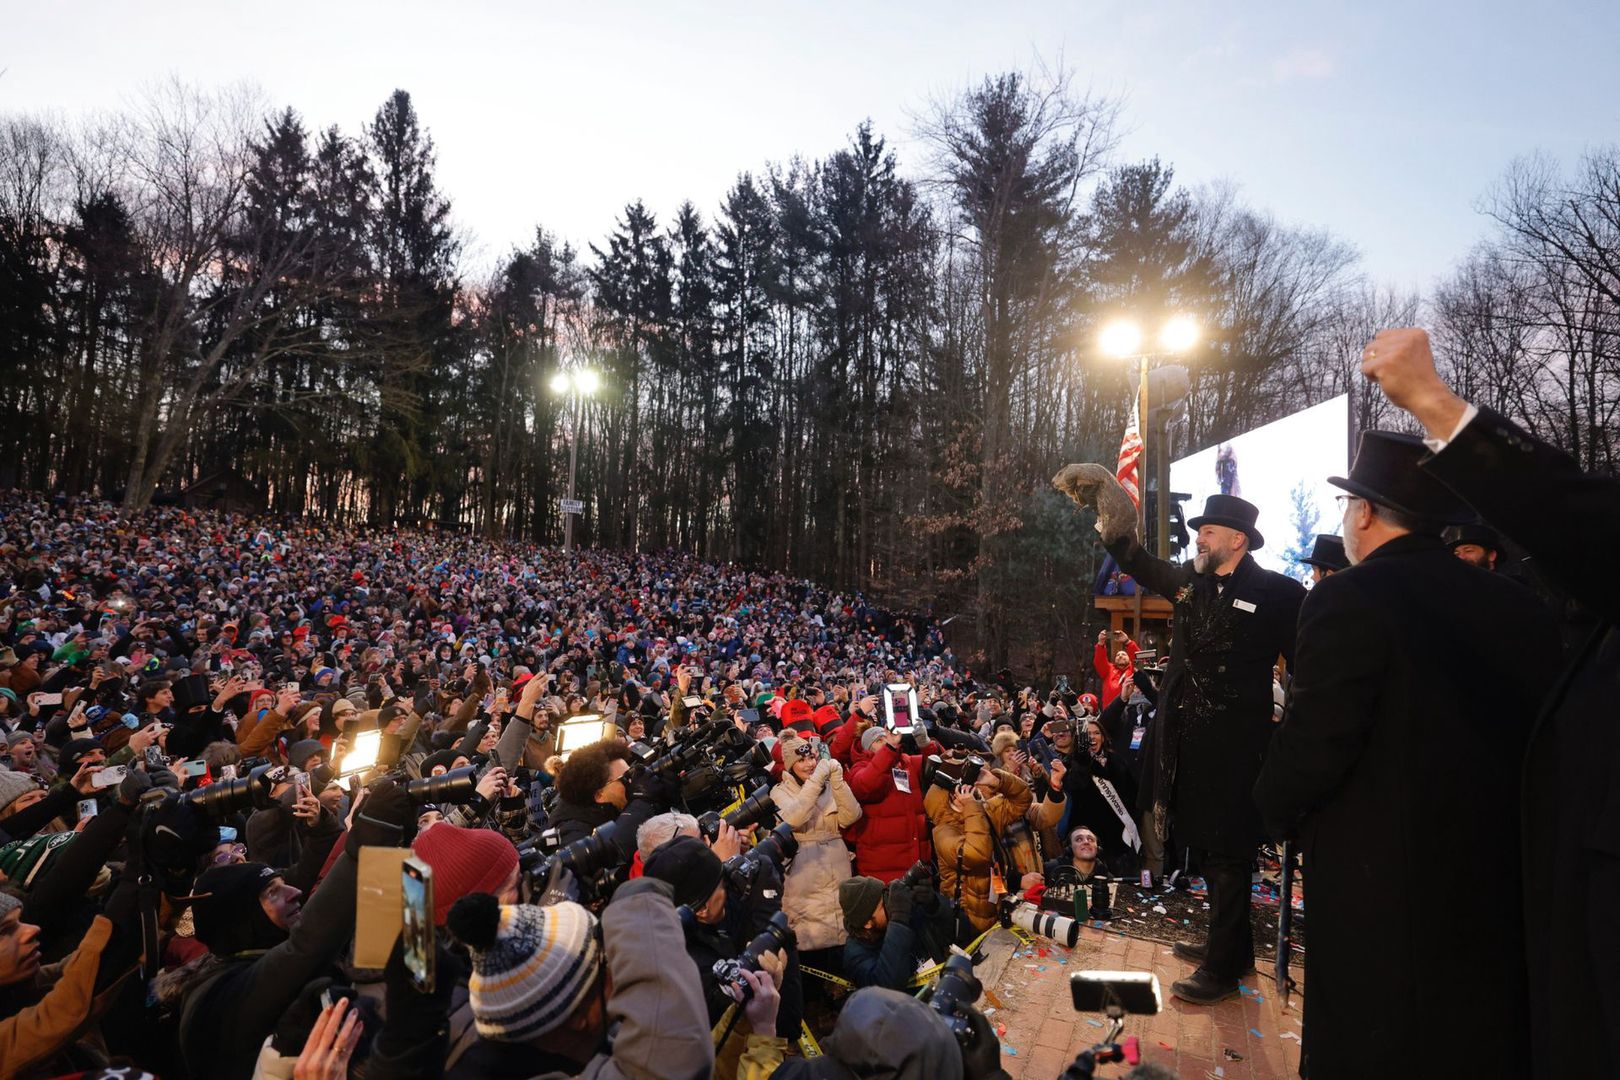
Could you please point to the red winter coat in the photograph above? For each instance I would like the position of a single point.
(1110, 675)
(893, 831)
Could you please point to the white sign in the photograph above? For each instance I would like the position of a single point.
(572, 506)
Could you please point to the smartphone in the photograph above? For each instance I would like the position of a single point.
(899, 707)
(109, 776)
(691, 701)
(155, 759)
(50, 699)
(416, 893)
(1137, 992)
(300, 782)
(227, 772)
(196, 767)
(290, 686)
(87, 808)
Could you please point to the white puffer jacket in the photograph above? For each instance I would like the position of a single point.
(817, 810)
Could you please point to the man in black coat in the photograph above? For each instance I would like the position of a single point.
(1232, 620)
(1540, 500)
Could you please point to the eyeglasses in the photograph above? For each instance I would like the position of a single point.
(1346, 500)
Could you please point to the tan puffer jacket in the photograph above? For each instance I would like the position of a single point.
(965, 840)
(817, 809)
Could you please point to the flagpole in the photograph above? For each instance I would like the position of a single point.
(1141, 481)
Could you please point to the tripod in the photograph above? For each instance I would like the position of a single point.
(1107, 1051)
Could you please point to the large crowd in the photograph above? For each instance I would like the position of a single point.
(182, 693)
(284, 798)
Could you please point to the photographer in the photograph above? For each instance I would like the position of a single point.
(885, 1033)
(549, 984)
(592, 790)
(969, 823)
(726, 914)
(894, 929)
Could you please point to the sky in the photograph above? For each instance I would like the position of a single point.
(1386, 123)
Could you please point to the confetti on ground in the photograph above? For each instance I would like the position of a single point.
(1231, 1055)
(1094, 1023)
(1005, 1049)
(1289, 1035)
(1256, 1033)
(1167, 1046)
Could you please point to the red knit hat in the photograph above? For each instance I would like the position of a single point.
(464, 861)
(796, 713)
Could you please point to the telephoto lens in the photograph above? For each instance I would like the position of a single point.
(243, 793)
(455, 786)
(778, 849)
(776, 935)
(1047, 924)
(953, 996)
(921, 873)
(750, 812)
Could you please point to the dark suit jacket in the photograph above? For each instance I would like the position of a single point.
(1214, 718)
(1538, 498)
(1398, 763)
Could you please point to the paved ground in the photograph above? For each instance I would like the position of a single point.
(1247, 1038)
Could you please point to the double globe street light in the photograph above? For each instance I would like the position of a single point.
(578, 384)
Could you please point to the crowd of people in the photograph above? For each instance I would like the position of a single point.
(285, 798)
(183, 694)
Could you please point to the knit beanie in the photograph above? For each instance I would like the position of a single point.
(13, 786)
(859, 897)
(464, 861)
(870, 737)
(299, 753)
(532, 966)
(8, 904)
(18, 737)
(73, 751)
(797, 714)
(689, 866)
(226, 912)
(790, 741)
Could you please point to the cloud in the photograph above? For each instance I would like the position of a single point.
(1303, 64)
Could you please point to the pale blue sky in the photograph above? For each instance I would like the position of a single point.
(1384, 122)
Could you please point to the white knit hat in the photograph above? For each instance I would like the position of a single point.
(532, 966)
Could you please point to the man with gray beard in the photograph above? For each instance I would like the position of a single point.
(1232, 620)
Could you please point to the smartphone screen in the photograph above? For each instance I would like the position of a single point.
(87, 808)
(899, 707)
(416, 889)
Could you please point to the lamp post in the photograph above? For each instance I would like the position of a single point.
(578, 384)
(1123, 340)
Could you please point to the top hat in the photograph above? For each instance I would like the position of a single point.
(1386, 472)
(1327, 553)
(1234, 513)
(1473, 532)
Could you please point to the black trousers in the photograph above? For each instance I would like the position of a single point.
(1230, 951)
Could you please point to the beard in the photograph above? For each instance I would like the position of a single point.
(1201, 562)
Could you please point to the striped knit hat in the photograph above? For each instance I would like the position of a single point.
(532, 966)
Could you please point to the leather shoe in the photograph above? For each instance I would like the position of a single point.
(1202, 988)
(1194, 954)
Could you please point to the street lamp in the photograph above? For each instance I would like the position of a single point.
(1123, 340)
(580, 383)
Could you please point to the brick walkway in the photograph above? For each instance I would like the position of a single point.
(1246, 1038)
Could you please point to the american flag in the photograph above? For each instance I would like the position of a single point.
(1130, 459)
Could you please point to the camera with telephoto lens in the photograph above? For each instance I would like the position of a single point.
(752, 811)
(950, 774)
(953, 997)
(778, 849)
(590, 859)
(1029, 918)
(250, 792)
(776, 935)
(453, 787)
(921, 873)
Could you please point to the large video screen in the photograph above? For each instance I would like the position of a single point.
(1282, 468)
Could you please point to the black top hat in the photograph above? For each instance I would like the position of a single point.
(1474, 532)
(1386, 472)
(1234, 513)
(1328, 553)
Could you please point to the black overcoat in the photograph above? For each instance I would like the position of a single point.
(1214, 718)
(1538, 498)
(1398, 764)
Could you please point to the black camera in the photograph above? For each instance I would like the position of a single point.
(953, 997)
(250, 792)
(776, 935)
(453, 787)
(921, 873)
(754, 810)
(950, 774)
(778, 849)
